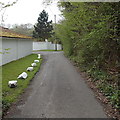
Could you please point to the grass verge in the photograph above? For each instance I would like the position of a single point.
(106, 82)
(105, 85)
(11, 71)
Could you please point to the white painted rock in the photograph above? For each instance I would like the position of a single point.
(23, 75)
(39, 56)
(30, 69)
(34, 64)
(36, 61)
(12, 84)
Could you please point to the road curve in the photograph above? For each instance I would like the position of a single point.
(57, 91)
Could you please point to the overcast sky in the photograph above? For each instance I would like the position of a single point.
(27, 11)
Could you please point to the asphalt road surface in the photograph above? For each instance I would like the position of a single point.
(57, 91)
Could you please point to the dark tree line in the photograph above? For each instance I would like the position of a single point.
(90, 34)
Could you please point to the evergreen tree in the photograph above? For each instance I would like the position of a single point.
(44, 28)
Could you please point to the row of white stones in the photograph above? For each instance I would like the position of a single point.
(24, 75)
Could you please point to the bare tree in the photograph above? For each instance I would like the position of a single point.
(47, 2)
(3, 7)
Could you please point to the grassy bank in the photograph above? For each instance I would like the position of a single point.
(89, 35)
(106, 81)
(11, 71)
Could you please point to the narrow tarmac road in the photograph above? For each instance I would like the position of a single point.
(57, 91)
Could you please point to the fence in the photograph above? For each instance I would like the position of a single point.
(14, 48)
(45, 46)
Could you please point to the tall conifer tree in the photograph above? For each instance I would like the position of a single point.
(44, 28)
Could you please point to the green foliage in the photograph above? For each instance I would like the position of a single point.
(43, 28)
(25, 29)
(11, 71)
(90, 36)
(112, 93)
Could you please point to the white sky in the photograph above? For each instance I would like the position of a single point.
(27, 11)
